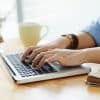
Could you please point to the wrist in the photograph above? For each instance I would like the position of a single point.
(73, 40)
(93, 55)
(63, 42)
(88, 55)
(82, 56)
(60, 42)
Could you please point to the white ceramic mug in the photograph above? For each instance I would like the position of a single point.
(30, 33)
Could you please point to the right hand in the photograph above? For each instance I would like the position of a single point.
(33, 51)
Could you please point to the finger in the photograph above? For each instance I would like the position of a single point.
(40, 56)
(37, 58)
(26, 53)
(36, 52)
(42, 61)
(51, 51)
(52, 59)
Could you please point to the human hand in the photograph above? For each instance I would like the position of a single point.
(33, 51)
(65, 57)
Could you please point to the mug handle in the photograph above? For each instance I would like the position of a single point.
(44, 34)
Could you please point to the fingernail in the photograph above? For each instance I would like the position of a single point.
(46, 60)
(37, 66)
(27, 60)
(27, 57)
(33, 64)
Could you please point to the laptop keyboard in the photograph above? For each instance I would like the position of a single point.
(26, 70)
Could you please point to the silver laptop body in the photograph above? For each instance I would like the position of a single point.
(26, 73)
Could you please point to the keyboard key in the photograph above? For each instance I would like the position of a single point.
(26, 70)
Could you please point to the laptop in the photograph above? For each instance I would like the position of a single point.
(26, 73)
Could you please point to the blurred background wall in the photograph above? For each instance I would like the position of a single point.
(61, 16)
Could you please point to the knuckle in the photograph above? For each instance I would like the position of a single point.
(42, 53)
(36, 51)
(29, 48)
(45, 56)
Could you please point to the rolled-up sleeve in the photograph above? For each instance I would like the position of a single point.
(94, 30)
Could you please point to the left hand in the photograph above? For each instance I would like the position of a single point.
(65, 57)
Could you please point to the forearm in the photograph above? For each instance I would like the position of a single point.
(93, 55)
(84, 41)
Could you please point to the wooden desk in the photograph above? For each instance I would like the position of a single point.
(73, 88)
